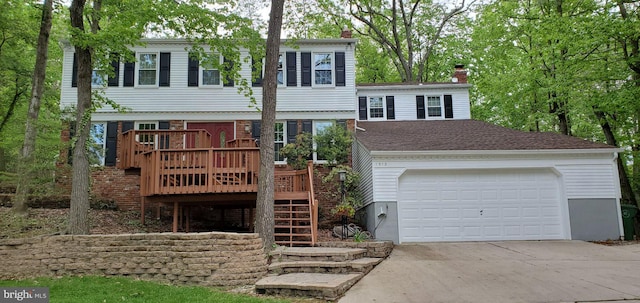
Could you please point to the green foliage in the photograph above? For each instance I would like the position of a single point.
(360, 235)
(297, 153)
(353, 196)
(116, 289)
(334, 144)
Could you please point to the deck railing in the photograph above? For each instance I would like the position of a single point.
(198, 171)
(137, 142)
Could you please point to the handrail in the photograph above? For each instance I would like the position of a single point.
(199, 170)
(136, 142)
(313, 205)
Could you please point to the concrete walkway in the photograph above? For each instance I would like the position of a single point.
(516, 271)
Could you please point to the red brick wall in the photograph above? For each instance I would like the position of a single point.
(113, 184)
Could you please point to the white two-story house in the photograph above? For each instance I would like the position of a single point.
(429, 172)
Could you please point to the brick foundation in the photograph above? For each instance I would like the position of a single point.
(209, 259)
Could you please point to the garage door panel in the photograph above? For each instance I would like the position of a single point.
(479, 205)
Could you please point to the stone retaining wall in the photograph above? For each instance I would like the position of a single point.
(210, 259)
(375, 249)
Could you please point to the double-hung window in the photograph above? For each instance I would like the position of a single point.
(376, 108)
(323, 68)
(146, 138)
(97, 143)
(210, 74)
(148, 69)
(434, 106)
(280, 137)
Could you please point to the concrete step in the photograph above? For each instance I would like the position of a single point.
(323, 286)
(363, 265)
(284, 254)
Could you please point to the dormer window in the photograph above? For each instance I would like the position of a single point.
(434, 106)
(148, 69)
(376, 108)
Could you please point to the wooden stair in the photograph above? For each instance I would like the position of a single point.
(320, 272)
(293, 223)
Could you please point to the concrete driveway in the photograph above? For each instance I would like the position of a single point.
(516, 271)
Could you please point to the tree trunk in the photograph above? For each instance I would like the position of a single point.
(78, 214)
(37, 88)
(265, 220)
(628, 197)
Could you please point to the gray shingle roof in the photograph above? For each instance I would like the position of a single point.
(460, 135)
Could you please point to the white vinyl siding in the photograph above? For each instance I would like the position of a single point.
(405, 100)
(180, 100)
(362, 165)
(589, 181)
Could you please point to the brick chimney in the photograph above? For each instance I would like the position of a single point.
(346, 33)
(460, 74)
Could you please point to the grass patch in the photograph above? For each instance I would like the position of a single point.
(113, 289)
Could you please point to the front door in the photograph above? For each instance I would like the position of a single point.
(221, 132)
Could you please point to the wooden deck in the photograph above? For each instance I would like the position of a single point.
(190, 175)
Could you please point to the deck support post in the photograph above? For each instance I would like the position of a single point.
(142, 201)
(175, 217)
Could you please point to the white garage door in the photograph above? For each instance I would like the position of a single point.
(479, 205)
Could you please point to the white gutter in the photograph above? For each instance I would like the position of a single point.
(497, 152)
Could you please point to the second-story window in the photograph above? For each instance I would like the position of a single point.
(210, 74)
(323, 68)
(376, 108)
(148, 68)
(280, 76)
(434, 106)
(97, 79)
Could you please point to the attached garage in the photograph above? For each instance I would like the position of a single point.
(479, 205)
(466, 180)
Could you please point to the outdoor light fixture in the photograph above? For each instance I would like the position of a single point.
(343, 175)
(247, 128)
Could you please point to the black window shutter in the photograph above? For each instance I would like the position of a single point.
(420, 107)
(255, 131)
(165, 66)
(305, 59)
(448, 106)
(292, 77)
(362, 108)
(228, 66)
(257, 82)
(391, 109)
(193, 71)
(74, 71)
(342, 123)
(340, 69)
(163, 139)
(112, 144)
(115, 65)
(129, 70)
(127, 125)
(307, 127)
(292, 131)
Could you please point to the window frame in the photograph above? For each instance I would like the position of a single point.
(103, 150)
(139, 69)
(282, 69)
(383, 105)
(427, 106)
(155, 138)
(202, 69)
(283, 142)
(332, 70)
(314, 133)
